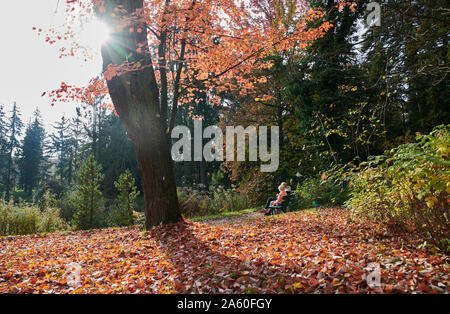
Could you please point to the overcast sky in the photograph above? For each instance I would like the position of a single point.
(29, 66)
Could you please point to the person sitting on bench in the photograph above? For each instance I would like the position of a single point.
(271, 199)
(288, 188)
(278, 200)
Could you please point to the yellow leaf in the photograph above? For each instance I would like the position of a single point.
(430, 200)
(298, 285)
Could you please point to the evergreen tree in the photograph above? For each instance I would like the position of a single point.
(197, 172)
(32, 154)
(115, 153)
(61, 145)
(122, 214)
(75, 142)
(15, 126)
(88, 201)
(426, 62)
(407, 67)
(3, 125)
(324, 88)
(94, 115)
(100, 132)
(3, 145)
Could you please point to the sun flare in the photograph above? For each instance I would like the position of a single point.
(93, 34)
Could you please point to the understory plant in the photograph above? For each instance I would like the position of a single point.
(407, 188)
(22, 219)
(314, 192)
(195, 202)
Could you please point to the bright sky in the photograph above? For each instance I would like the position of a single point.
(29, 66)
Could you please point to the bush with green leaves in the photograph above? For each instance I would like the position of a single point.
(218, 200)
(194, 203)
(24, 219)
(122, 211)
(48, 200)
(88, 198)
(230, 200)
(314, 192)
(67, 204)
(407, 188)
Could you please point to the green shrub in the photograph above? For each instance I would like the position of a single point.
(194, 204)
(229, 201)
(314, 192)
(25, 219)
(47, 200)
(50, 220)
(217, 200)
(407, 188)
(67, 204)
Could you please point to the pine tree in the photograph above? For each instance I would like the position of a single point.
(88, 201)
(427, 64)
(197, 172)
(75, 142)
(3, 144)
(61, 144)
(3, 124)
(407, 67)
(116, 153)
(32, 154)
(15, 126)
(93, 124)
(324, 88)
(122, 214)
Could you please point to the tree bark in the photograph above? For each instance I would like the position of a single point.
(135, 95)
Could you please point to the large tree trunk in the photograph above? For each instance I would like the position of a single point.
(136, 98)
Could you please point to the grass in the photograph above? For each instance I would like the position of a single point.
(224, 214)
(239, 213)
(20, 194)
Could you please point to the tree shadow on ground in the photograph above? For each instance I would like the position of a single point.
(203, 266)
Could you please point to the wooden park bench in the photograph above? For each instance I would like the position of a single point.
(283, 207)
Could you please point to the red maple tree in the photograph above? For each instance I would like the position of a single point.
(161, 51)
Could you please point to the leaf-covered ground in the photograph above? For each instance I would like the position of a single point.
(305, 252)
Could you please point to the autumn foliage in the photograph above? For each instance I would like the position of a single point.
(213, 45)
(307, 252)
